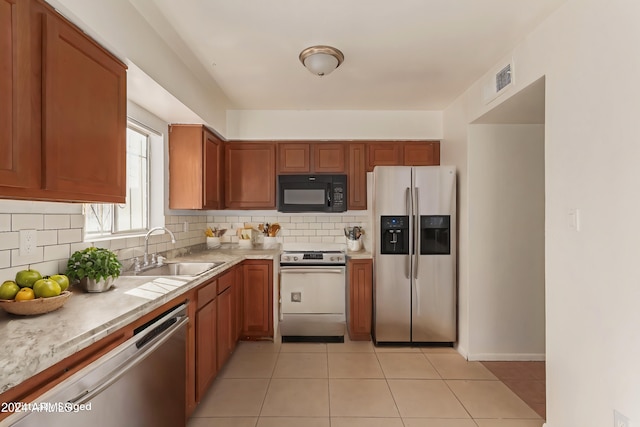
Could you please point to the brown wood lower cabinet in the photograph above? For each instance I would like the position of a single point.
(206, 366)
(226, 318)
(258, 299)
(360, 299)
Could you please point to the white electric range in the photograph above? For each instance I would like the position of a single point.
(312, 292)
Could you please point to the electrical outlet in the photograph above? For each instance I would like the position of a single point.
(185, 227)
(620, 420)
(28, 242)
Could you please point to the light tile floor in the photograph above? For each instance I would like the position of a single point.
(357, 385)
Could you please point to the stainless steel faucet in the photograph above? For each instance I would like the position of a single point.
(145, 261)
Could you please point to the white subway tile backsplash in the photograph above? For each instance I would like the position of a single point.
(37, 256)
(56, 252)
(61, 234)
(5, 259)
(71, 235)
(48, 237)
(52, 222)
(27, 222)
(9, 240)
(5, 222)
(77, 221)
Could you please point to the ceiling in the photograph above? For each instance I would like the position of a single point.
(399, 55)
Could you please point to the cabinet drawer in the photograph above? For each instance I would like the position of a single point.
(225, 281)
(207, 293)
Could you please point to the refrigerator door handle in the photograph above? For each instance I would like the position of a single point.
(416, 236)
(407, 265)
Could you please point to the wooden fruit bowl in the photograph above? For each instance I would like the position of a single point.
(35, 306)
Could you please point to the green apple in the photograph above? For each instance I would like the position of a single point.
(26, 278)
(62, 280)
(46, 288)
(9, 289)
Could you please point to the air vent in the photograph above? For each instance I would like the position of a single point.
(498, 82)
(503, 78)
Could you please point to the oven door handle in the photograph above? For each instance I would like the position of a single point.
(311, 270)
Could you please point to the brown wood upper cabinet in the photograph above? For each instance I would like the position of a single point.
(403, 153)
(63, 116)
(357, 176)
(195, 168)
(307, 157)
(250, 175)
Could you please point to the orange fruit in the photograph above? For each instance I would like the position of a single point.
(25, 294)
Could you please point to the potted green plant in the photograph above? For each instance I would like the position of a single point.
(95, 268)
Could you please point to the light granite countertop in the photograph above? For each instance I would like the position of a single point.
(364, 254)
(31, 344)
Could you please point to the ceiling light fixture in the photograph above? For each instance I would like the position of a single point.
(321, 60)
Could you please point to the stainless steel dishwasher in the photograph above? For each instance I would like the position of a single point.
(139, 383)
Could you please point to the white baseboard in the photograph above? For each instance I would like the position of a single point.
(506, 357)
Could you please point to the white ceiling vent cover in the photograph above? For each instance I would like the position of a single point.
(501, 81)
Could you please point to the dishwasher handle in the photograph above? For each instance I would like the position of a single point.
(167, 329)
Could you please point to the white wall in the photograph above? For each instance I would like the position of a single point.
(334, 124)
(587, 52)
(506, 242)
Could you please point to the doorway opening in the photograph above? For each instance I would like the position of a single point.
(506, 166)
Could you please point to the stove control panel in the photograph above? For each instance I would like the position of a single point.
(313, 258)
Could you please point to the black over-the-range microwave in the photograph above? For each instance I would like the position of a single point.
(312, 193)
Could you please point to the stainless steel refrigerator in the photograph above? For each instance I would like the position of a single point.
(414, 210)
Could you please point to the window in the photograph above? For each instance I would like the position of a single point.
(104, 220)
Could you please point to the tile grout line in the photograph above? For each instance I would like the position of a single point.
(264, 399)
(386, 380)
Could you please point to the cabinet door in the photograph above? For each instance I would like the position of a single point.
(384, 154)
(85, 116)
(250, 178)
(328, 157)
(206, 363)
(224, 326)
(357, 177)
(213, 177)
(19, 116)
(421, 153)
(258, 299)
(239, 299)
(360, 303)
(294, 158)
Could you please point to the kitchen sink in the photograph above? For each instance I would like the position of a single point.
(177, 269)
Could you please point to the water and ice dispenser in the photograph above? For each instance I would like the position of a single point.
(435, 235)
(394, 236)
